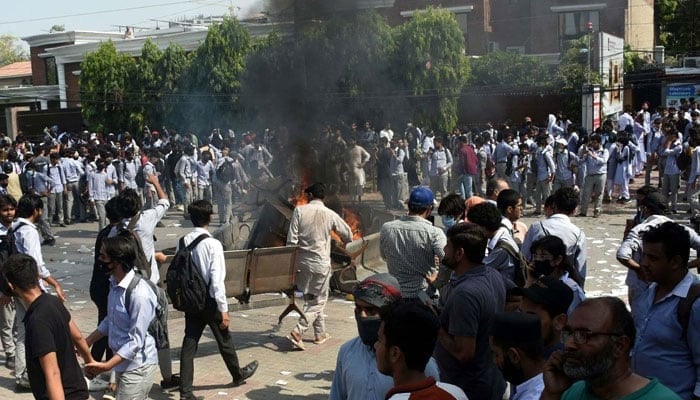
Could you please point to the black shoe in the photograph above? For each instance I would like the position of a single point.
(62, 225)
(160, 225)
(48, 242)
(10, 362)
(582, 215)
(246, 372)
(173, 383)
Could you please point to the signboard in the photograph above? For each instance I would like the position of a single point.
(611, 59)
(677, 91)
(590, 107)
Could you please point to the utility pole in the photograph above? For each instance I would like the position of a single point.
(590, 38)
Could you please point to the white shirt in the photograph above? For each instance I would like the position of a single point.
(208, 256)
(531, 389)
(310, 229)
(144, 228)
(28, 241)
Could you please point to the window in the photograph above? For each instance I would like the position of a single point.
(573, 25)
(51, 73)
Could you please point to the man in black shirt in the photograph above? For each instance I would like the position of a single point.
(50, 335)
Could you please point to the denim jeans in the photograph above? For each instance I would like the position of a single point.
(464, 186)
(179, 190)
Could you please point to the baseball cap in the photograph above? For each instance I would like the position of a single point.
(550, 292)
(421, 197)
(562, 141)
(378, 290)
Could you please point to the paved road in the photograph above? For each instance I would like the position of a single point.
(284, 373)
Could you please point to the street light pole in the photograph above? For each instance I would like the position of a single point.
(590, 36)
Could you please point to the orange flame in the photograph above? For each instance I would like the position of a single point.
(353, 220)
(300, 197)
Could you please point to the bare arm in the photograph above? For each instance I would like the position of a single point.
(153, 180)
(57, 286)
(460, 347)
(52, 374)
(79, 342)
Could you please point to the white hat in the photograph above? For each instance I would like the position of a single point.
(562, 141)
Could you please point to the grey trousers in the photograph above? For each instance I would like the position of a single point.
(101, 214)
(55, 207)
(562, 183)
(315, 287)
(204, 193)
(671, 183)
(43, 223)
(7, 328)
(20, 351)
(592, 189)
(72, 208)
(544, 189)
(439, 184)
(224, 201)
(135, 384)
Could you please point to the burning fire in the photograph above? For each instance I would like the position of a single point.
(350, 216)
(353, 220)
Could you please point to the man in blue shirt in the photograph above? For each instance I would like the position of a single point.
(595, 156)
(356, 375)
(476, 294)
(665, 349)
(135, 358)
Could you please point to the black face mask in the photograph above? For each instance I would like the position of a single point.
(368, 328)
(542, 268)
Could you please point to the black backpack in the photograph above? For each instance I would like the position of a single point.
(226, 172)
(140, 177)
(158, 328)
(7, 248)
(25, 181)
(186, 287)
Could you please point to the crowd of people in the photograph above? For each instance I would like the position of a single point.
(466, 308)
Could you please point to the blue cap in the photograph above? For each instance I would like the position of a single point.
(421, 197)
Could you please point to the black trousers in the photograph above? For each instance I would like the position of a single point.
(101, 347)
(194, 327)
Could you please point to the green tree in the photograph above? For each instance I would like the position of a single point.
(430, 63)
(147, 86)
(212, 81)
(664, 14)
(508, 68)
(10, 52)
(574, 72)
(57, 28)
(169, 69)
(679, 29)
(633, 61)
(106, 84)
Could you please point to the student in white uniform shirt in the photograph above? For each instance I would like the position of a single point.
(208, 256)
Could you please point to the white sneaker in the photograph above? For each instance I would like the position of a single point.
(109, 395)
(96, 384)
